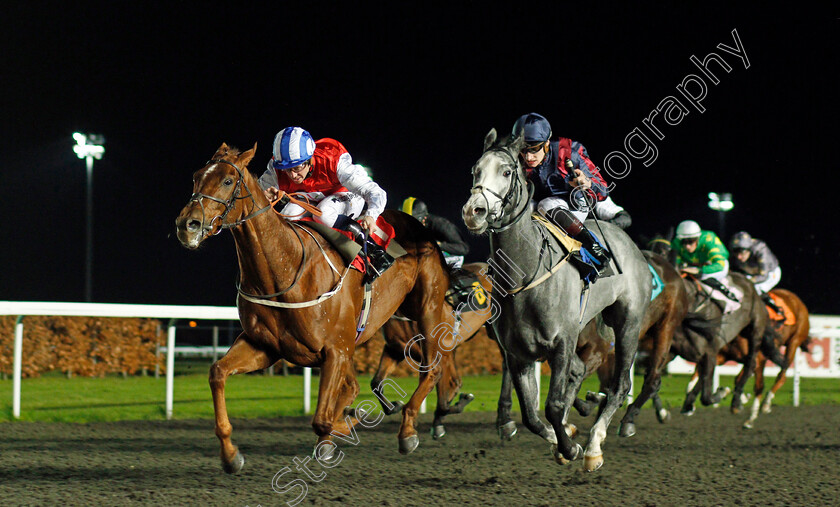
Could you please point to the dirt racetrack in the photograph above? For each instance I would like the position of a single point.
(790, 458)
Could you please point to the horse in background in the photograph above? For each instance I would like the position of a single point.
(542, 313)
(706, 330)
(294, 304)
(779, 333)
(399, 345)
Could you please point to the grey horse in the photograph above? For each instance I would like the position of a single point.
(542, 314)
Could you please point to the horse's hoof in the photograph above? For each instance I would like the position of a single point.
(663, 416)
(627, 430)
(748, 425)
(438, 432)
(235, 464)
(726, 391)
(397, 406)
(592, 463)
(571, 430)
(735, 410)
(765, 409)
(468, 397)
(688, 413)
(560, 459)
(407, 445)
(507, 430)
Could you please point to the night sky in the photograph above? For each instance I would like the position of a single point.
(411, 94)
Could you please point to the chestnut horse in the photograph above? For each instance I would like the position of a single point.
(295, 305)
(777, 334)
(399, 331)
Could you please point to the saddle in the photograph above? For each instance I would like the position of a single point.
(581, 260)
(351, 251)
(722, 300)
(465, 291)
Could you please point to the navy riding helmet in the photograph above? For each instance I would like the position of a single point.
(535, 127)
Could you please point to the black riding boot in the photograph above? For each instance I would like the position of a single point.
(378, 258)
(772, 304)
(717, 284)
(575, 228)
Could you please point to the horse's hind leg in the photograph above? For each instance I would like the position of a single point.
(241, 358)
(627, 325)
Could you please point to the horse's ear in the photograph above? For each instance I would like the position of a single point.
(518, 142)
(246, 157)
(670, 235)
(221, 152)
(489, 139)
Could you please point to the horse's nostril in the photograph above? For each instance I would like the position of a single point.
(479, 211)
(194, 225)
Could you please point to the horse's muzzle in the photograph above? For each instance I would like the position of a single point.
(190, 227)
(474, 214)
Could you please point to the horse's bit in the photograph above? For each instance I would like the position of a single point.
(228, 204)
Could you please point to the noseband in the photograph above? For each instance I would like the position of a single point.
(228, 204)
(496, 216)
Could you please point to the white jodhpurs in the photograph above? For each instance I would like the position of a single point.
(772, 280)
(720, 275)
(558, 202)
(341, 203)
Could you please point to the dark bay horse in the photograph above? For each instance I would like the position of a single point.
(399, 331)
(776, 335)
(294, 304)
(542, 311)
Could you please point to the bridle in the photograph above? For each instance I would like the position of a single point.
(229, 204)
(495, 217)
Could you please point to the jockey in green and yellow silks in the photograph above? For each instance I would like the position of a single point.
(701, 253)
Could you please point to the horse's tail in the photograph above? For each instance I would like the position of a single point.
(769, 348)
(804, 345)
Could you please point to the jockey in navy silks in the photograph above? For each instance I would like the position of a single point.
(567, 184)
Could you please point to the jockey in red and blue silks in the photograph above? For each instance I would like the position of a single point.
(567, 183)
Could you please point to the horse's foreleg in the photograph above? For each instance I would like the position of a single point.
(522, 377)
(653, 379)
(758, 390)
(387, 364)
(504, 424)
(707, 367)
(332, 393)
(241, 358)
(566, 374)
(447, 387)
(753, 340)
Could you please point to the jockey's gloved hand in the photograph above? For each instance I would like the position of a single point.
(622, 219)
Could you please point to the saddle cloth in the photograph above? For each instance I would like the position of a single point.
(728, 305)
(465, 291)
(349, 249)
(583, 262)
(658, 284)
(789, 318)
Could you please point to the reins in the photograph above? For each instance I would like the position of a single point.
(284, 199)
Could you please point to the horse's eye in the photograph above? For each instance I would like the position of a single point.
(228, 182)
(507, 173)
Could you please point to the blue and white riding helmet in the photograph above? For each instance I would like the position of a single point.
(292, 147)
